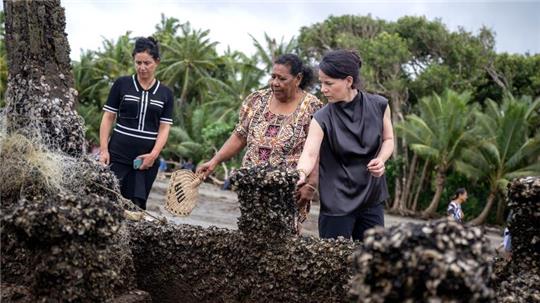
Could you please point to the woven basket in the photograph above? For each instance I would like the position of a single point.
(183, 193)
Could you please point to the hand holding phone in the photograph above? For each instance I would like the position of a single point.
(137, 163)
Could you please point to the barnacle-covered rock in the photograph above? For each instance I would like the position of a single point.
(267, 204)
(72, 246)
(192, 264)
(524, 223)
(436, 261)
(518, 278)
(35, 108)
(263, 261)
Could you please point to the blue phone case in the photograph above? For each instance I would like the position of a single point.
(137, 163)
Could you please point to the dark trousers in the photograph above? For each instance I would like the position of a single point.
(353, 225)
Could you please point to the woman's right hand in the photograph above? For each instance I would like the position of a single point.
(104, 157)
(207, 168)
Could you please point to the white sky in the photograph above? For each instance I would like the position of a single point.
(516, 23)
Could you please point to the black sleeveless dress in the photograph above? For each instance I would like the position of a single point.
(352, 137)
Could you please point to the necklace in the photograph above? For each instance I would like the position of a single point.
(149, 86)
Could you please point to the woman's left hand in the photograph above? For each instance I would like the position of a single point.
(304, 194)
(148, 161)
(376, 167)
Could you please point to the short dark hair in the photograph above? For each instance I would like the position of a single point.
(339, 64)
(149, 45)
(296, 67)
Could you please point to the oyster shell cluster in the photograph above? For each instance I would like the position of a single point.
(267, 204)
(39, 106)
(518, 278)
(70, 243)
(263, 261)
(62, 235)
(438, 261)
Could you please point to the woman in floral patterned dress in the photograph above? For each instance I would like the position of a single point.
(273, 124)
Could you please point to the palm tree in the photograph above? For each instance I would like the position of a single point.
(269, 52)
(186, 140)
(95, 71)
(166, 29)
(188, 62)
(440, 133)
(240, 76)
(506, 151)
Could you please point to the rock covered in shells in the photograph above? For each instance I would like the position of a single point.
(437, 261)
(33, 107)
(514, 284)
(263, 261)
(44, 222)
(92, 177)
(524, 223)
(71, 244)
(518, 279)
(192, 264)
(267, 204)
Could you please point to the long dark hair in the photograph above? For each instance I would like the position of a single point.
(297, 67)
(339, 64)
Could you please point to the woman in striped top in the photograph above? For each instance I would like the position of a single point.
(454, 208)
(142, 108)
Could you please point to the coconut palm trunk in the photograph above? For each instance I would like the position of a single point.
(440, 179)
(482, 217)
(420, 186)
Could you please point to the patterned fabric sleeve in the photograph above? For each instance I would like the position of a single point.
(166, 115)
(315, 105)
(451, 211)
(249, 105)
(113, 101)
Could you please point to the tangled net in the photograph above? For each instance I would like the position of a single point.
(61, 224)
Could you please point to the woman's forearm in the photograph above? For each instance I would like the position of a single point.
(310, 153)
(313, 177)
(387, 148)
(163, 134)
(105, 130)
(306, 163)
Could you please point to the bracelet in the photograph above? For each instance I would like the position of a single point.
(302, 171)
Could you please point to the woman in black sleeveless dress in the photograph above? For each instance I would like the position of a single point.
(352, 136)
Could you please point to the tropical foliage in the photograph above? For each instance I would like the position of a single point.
(450, 93)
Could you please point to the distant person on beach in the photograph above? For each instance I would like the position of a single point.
(506, 244)
(352, 137)
(188, 165)
(273, 125)
(454, 210)
(142, 108)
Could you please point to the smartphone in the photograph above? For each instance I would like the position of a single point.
(137, 163)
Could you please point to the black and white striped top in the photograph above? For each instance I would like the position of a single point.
(454, 210)
(139, 112)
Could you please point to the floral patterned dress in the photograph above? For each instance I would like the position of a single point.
(274, 138)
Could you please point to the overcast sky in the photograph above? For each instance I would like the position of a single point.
(516, 23)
